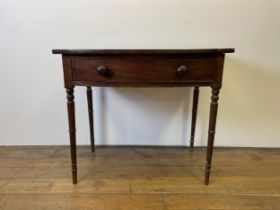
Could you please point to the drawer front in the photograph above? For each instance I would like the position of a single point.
(95, 69)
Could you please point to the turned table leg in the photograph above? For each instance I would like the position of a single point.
(90, 117)
(211, 131)
(72, 131)
(194, 114)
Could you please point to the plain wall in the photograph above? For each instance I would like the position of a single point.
(33, 99)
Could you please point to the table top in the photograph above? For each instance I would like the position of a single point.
(142, 51)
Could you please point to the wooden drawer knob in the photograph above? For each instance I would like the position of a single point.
(182, 70)
(103, 71)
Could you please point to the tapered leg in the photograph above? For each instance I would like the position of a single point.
(194, 113)
(211, 131)
(72, 131)
(90, 117)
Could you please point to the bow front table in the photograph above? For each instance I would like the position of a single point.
(143, 68)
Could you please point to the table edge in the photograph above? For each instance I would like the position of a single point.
(142, 51)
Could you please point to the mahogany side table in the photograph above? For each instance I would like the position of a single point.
(143, 68)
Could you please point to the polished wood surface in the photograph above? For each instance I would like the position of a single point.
(147, 69)
(90, 117)
(132, 178)
(141, 51)
(211, 132)
(194, 115)
(72, 131)
(144, 68)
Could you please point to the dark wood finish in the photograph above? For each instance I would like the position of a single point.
(90, 116)
(141, 84)
(194, 114)
(142, 51)
(216, 86)
(72, 131)
(144, 68)
(211, 132)
(67, 69)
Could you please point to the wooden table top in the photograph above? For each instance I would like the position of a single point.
(142, 51)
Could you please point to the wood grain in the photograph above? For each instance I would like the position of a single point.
(148, 69)
(133, 178)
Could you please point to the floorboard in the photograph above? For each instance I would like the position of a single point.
(134, 178)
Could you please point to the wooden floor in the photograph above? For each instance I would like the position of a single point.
(134, 178)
